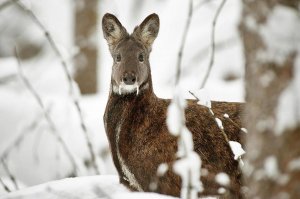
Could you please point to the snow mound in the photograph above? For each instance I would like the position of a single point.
(91, 187)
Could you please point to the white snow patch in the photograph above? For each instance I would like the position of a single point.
(294, 165)
(244, 130)
(237, 149)
(162, 169)
(271, 167)
(174, 119)
(226, 115)
(251, 23)
(189, 163)
(222, 179)
(267, 78)
(175, 113)
(82, 187)
(203, 96)
(288, 108)
(280, 35)
(220, 124)
(185, 143)
(221, 190)
(188, 169)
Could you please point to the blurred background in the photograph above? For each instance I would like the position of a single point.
(27, 146)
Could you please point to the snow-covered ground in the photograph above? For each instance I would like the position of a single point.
(38, 158)
(100, 187)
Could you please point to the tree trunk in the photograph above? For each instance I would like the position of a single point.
(270, 31)
(86, 38)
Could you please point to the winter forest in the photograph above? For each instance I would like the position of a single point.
(199, 100)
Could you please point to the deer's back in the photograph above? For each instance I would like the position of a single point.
(144, 142)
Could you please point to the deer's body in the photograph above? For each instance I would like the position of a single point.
(135, 121)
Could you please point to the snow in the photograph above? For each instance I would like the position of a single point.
(226, 115)
(271, 167)
(188, 168)
(288, 109)
(174, 119)
(219, 123)
(244, 130)
(189, 163)
(81, 187)
(162, 169)
(280, 34)
(294, 165)
(222, 179)
(221, 190)
(237, 149)
(203, 97)
(39, 158)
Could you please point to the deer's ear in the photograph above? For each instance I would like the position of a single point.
(113, 30)
(148, 30)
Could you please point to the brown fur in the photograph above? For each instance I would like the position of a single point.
(145, 143)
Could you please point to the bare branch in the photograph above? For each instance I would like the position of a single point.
(202, 53)
(71, 82)
(10, 175)
(6, 3)
(213, 115)
(52, 126)
(212, 51)
(181, 49)
(4, 185)
(89, 143)
(19, 139)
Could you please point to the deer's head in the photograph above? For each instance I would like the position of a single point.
(130, 52)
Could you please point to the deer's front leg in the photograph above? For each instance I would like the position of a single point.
(125, 182)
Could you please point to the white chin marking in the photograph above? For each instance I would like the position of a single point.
(126, 89)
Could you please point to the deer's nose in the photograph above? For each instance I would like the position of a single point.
(129, 78)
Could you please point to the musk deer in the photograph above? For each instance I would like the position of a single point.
(135, 120)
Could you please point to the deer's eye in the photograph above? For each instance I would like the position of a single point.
(141, 57)
(118, 58)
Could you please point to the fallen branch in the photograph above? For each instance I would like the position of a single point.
(10, 175)
(5, 187)
(212, 44)
(52, 126)
(71, 82)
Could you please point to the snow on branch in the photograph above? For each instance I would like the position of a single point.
(71, 82)
(5, 187)
(52, 126)
(189, 163)
(10, 175)
(212, 44)
(235, 147)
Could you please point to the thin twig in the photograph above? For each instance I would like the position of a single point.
(10, 175)
(89, 143)
(202, 53)
(4, 185)
(184, 36)
(19, 139)
(52, 126)
(212, 51)
(71, 82)
(213, 115)
(226, 118)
